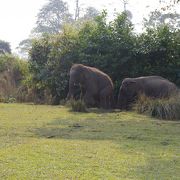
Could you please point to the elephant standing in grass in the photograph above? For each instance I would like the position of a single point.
(150, 86)
(96, 85)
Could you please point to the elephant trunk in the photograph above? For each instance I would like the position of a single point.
(122, 102)
(71, 92)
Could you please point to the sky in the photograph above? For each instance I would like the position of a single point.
(18, 17)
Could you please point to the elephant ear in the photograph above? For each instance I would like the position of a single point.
(130, 82)
(86, 74)
(131, 88)
(131, 85)
(83, 74)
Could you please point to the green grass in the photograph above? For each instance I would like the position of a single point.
(50, 142)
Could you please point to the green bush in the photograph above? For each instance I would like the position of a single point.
(168, 109)
(77, 105)
(11, 62)
(13, 74)
(8, 99)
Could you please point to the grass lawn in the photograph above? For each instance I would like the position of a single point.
(49, 142)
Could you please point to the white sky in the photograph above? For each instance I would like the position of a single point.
(18, 17)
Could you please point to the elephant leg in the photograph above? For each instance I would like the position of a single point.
(89, 100)
(110, 101)
(102, 101)
(105, 98)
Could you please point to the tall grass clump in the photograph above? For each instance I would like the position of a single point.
(168, 109)
(77, 105)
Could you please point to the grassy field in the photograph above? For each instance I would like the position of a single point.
(49, 142)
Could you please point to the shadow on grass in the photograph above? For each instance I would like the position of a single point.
(105, 128)
(97, 111)
(136, 138)
(100, 111)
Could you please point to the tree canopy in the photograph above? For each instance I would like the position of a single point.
(159, 17)
(52, 16)
(90, 13)
(4, 47)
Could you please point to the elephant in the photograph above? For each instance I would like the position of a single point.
(97, 87)
(150, 86)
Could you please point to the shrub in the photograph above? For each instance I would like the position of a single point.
(168, 109)
(8, 99)
(13, 72)
(77, 105)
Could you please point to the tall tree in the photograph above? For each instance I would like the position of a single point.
(24, 47)
(159, 17)
(77, 10)
(52, 16)
(126, 11)
(166, 14)
(4, 47)
(125, 2)
(90, 13)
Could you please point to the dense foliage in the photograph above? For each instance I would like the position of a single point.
(13, 72)
(13, 63)
(112, 47)
(4, 47)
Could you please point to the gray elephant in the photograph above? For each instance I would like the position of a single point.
(96, 85)
(150, 86)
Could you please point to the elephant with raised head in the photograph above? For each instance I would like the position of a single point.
(97, 86)
(150, 86)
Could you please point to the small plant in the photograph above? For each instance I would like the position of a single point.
(77, 105)
(142, 104)
(9, 99)
(168, 109)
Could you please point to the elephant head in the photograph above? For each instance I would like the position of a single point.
(76, 81)
(127, 93)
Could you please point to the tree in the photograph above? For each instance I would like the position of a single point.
(158, 18)
(157, 53)
(52, 16)
(125, 2)
(51, 57)
(24, 47)
(4, 47)
(165, 15)
(90, 13)
(77, 10)
(127, 12)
